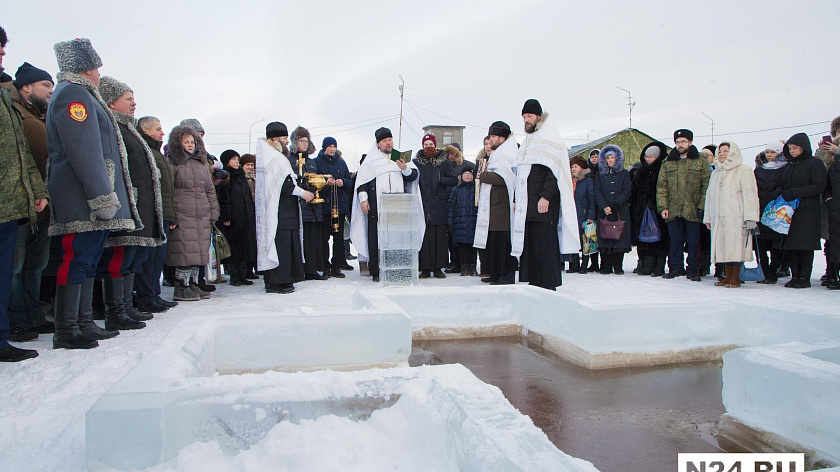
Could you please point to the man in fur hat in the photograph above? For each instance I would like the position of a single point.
(278, 219)
(126, 251)
(378, 174)
(88, 178)
(681, 199)
(314, 257)
(545, 217)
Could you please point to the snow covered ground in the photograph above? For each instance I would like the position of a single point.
(44, 400)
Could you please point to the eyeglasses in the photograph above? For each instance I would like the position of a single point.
(682, 141)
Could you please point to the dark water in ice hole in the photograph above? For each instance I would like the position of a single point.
(621, 420)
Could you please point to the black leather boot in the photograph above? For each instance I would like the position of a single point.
(98, 300)
(128, 298)
(658, 267)
(116, 317)
(67, 334)
(647, 265)
(87, 326)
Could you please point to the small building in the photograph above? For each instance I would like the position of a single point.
(446, 134)
(630, 140)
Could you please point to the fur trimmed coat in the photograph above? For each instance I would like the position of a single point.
(436, 179)
(195, 201)
(731, 201)
(643, 183)
(613, 190)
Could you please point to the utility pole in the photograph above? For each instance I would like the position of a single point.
(713, 125)
(630, 103)
(249, 133)
(399, 142)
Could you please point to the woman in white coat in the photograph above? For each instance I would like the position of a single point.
(732, 212)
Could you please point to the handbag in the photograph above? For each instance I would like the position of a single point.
(649, 232)
(590, 238)
(611, 229)
(221, 244)
(752, 274)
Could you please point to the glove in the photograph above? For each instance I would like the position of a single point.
(700, 214)
(106, 213)
(787, 195)
(751, 225)
(219, 174)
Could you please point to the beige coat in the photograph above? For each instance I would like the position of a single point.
(731, 201)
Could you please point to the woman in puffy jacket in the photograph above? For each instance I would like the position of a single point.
(612, 195)
(768, 173)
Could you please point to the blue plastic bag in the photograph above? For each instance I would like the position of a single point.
(778, 214)
(649, 232)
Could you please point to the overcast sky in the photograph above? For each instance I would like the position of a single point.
(333, 66)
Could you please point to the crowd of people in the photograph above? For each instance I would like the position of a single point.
(98, 210)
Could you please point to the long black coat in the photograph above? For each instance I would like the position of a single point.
(613, 189)
(336, 167)
(768, 182)
(288, 211)
(237, 207)
(463, 214)
(643, 184)
(832, 191)
(803, 178)
(436, 180)
(542, 184)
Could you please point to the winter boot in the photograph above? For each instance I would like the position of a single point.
(593, 262)
(472, 272)
(830, 275)
(87, 326)
(67, 334)
(658, 267)
(794, 277)
(584, 262)
(195, 287)
(834, 283)
(116, 317)
(183, 292)
(724, 281)
(734, 276)
(784, 271)
(465, 270)
(720, 271)
(618, 263)
(98, 300)
(363, 269)
(647, 265)
(249, 272)
(128, 297)
(574, 264)
(638, 266)
(168, 276)
(804, 277)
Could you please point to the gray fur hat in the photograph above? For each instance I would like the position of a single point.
(112, 89)
(77, 55)
(194, 124)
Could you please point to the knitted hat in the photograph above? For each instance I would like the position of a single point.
(112, 89)
(467, 169)
(711, 147)
(596, 152)
(328, 141)
(776, 145)
(683, 133)
(77, 55)
(276, 129)
(456, 145)
(383, 133)
(247, 159)
(653, 151)
(581, 162)
(532, 106)
(429, 137)
(499, 128)
(227, 156)
(193, 123)
(29, 74)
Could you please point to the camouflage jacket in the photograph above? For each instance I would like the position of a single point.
(20, 181)
(682, 184)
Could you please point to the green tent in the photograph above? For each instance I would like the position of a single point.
(630, 140)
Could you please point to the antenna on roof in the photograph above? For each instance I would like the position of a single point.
(713, 125)
(630, 103)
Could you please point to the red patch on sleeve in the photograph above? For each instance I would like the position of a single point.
(78, 111)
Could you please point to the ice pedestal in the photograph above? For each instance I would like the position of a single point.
(399, 238)
(785, 396)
